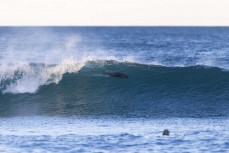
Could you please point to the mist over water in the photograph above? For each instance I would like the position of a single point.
(57, 77)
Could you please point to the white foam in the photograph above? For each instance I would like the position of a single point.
(33, 77)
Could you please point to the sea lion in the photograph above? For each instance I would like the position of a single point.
(116, 75)
(166, 132)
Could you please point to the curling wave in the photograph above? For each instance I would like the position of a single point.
(149, 90)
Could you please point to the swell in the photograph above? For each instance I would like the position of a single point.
(150, 91)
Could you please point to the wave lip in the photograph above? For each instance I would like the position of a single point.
(27, 78)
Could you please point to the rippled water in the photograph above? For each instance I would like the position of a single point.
(56, 134)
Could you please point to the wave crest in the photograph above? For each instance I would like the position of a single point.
(27, 78)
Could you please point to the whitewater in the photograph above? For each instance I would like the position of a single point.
(55, 95)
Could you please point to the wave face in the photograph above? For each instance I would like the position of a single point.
(172, 72)
(150, 91)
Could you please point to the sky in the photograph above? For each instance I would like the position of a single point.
(115, 12)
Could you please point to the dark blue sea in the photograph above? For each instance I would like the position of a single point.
(114, 89)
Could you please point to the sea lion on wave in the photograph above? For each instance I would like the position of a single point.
(116, 75)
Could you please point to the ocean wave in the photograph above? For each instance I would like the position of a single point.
(88, 89)
(29, 78)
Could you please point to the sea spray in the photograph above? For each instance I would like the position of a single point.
(172, 72)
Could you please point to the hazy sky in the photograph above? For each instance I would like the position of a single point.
(114, 12)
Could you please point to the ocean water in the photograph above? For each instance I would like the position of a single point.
(57, 94)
